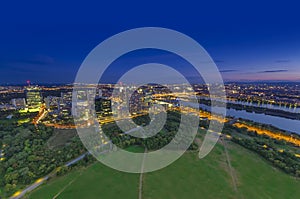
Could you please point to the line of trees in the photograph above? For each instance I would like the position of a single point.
(155, 142)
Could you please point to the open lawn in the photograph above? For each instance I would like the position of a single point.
(189, 177)
(258, 179)
(97, 181)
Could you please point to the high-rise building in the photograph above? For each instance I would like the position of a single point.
(52, 103)
(65, 105)
(83, 104)
(33, 97)
(18, 103)
(104, 106)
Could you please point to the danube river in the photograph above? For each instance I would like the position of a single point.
(291, 109)
(279, 122)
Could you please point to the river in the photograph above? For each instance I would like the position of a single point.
(279, 122)
(291, 109)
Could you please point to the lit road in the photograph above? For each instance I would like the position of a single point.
(41, 115)
(278, 136)
(101, 121)
(37, 183)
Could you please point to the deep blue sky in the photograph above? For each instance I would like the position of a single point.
(249, 40)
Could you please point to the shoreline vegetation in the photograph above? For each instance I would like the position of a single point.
(259, 110)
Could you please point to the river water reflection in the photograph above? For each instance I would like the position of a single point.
(279, 122)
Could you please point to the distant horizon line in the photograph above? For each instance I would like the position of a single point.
(225, 82)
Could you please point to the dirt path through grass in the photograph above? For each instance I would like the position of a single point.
(232, 173)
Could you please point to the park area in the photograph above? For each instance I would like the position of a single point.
(229, 171)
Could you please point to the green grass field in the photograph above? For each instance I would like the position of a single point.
(97, 181)
(258, 179)
(188, 177)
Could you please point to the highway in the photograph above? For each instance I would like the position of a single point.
(42, 114)
(36, 184)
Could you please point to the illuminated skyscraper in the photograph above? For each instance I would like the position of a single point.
(33, 97)
(65, 105)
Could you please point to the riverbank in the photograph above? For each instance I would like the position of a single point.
(255, 109)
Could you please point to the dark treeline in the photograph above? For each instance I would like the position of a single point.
(155, 142)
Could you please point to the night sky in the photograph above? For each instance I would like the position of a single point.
(248, 40)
